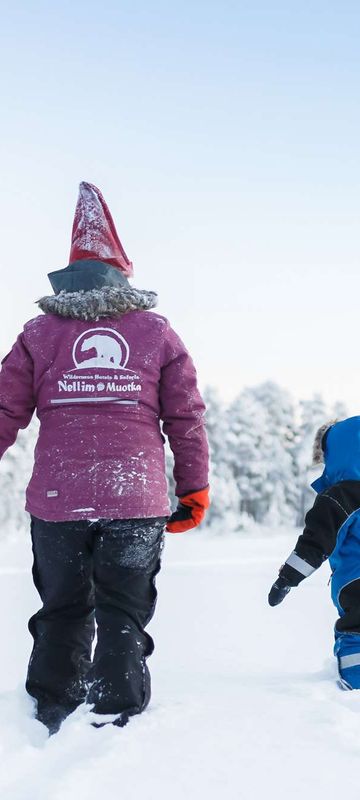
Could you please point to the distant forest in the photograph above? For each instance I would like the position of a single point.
(260, 445)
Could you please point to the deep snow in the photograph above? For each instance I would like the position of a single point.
(245, 703)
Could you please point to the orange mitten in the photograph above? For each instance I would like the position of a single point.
(190, 511)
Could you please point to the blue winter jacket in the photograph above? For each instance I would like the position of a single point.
(332, 526)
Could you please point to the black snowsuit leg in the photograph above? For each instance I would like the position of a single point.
(126, 561)
(85, 569)
(63, 630)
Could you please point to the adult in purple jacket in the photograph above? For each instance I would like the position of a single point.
(102, 374)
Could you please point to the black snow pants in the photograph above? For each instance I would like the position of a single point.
(101, 571)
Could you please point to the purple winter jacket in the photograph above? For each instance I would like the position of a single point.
(100, 387)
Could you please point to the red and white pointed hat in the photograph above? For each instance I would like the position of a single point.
(94, 234)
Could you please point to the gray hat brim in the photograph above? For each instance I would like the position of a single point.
(85, 275)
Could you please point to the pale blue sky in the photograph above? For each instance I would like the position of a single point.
(225, 138)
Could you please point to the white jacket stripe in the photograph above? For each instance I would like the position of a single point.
(350, 661)
(299, 564)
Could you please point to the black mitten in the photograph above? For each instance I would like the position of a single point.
(278, 591)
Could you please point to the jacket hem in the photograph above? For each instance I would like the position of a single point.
(73, 516)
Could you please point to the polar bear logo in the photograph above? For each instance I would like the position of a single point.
(108, 351)
(111, 349)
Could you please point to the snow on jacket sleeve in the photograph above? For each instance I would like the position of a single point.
(182, 412)
(17, 402)
(322, 524)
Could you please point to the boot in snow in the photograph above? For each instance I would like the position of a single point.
(52, 716)
(120, 721)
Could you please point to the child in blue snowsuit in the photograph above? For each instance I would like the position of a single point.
(332, 530)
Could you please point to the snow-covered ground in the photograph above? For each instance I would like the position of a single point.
(245, 703)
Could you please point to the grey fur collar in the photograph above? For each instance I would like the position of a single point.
(109, 301)
(318, 453)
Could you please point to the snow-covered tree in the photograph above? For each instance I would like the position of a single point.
(245, 436)
(313, 414)
(223, 514)
(15, 472)
(279, 451)
(260, 452)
